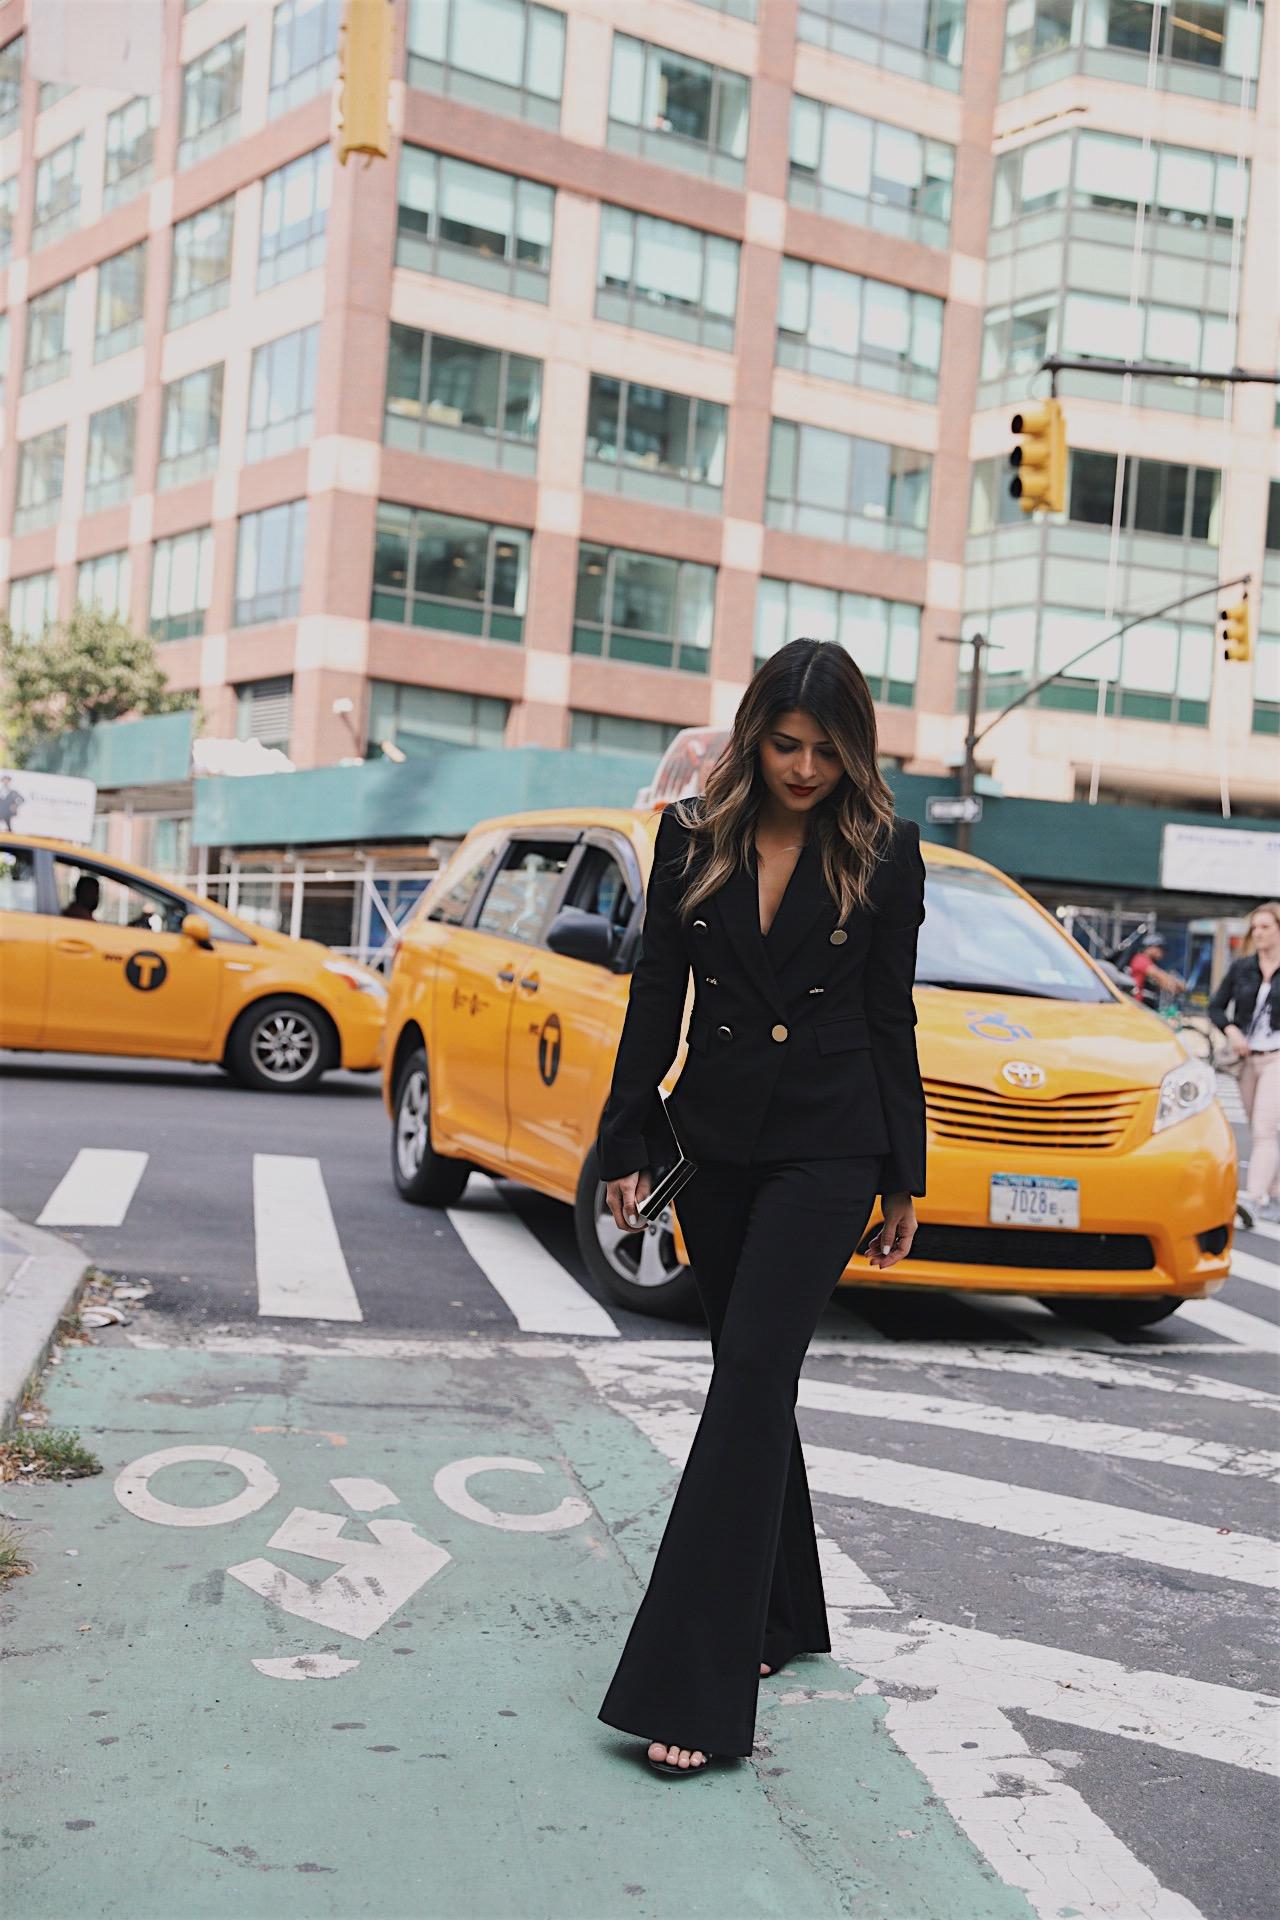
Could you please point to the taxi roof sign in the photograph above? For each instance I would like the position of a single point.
(683, 768)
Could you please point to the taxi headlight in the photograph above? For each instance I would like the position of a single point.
(357, 977)
(1185, 1090)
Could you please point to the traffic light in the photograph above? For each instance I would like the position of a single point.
(1234, 622)
(364, 79)
(1040, 462)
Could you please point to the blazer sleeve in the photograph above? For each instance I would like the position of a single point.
(1222, 1002)
(651, 1028)
(891, 1014)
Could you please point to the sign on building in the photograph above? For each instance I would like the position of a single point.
(1220, 860)
(55, 804)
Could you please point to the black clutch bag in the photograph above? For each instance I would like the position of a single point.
(670, 1167)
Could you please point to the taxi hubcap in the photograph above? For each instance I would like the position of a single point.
(285, 1046)
(411, 1126)
(646, 1256)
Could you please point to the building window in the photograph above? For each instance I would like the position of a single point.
(644, 607)
(1158, 496)
(870, 173)
(416, 719)
(1206, 47)
(505, 55)
(1105, 326)
(190, 424)
(744, 9)
(678, 111)
(8, 214)
(869, 333)
(11, 55)
(1183, 188)
(211, 86)
(304, 51)
(474, 224)
(1273, 518)
(295, 209)
(40, 464)
(883, 636)
(1266, 681)
(837, 486)
(181, 584)
(666, 278)
(131, 149)
(200, 282)
(439, 570)
(269, 562)
(923, 39)
(48, 356)
(108, 473)
(1160, 671)
(57, 208)
(617, 733)
(49, 92)
(655, 445)
(103, 584)
(282, 393)
(122, 284)
(33, 604)
(264, 711)
(462, 401)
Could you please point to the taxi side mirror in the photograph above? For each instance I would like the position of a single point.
(582, 936)
(196, 928)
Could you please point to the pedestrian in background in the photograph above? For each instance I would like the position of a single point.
(1150, 979)
(796, 897)
(1246, 1008)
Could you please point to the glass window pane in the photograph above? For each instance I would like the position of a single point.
(487, 36)
(825, 460)
(846, 151)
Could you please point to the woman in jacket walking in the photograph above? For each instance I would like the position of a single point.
(795, 896)
(1246, 1008)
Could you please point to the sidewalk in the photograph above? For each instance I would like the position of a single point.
(195, 1728)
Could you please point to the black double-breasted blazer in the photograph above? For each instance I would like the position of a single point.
(801, 1041)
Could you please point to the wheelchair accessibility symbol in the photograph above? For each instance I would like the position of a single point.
(995, 1026)
(146, 971)
(549, 1049)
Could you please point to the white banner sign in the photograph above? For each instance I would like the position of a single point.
(54, 804)
(1221, 860)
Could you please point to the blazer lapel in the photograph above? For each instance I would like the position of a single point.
(738, 904)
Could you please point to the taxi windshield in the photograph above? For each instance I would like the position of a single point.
(979, 935)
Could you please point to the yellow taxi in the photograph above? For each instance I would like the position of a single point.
(100, 957)
(1076, 1152)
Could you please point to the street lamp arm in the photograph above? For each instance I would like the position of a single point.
(1154, 613)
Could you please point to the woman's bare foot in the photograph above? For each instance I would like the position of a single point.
(677, 1756)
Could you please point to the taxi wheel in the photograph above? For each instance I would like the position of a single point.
(639, 1269)
(423, 1177)
(281, 1045)
(1111, 1316)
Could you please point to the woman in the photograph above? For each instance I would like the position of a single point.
(796, 897)
(1246, 1008)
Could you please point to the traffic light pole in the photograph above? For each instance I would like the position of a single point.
(1055, 364)
(968, 766)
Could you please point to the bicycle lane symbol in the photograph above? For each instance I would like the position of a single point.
(373, 1579)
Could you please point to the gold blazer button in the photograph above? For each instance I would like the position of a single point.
(699, 926)
(779, 1032)
(838, 938)
(725, 1033)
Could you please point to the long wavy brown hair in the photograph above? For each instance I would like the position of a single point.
(851, 828)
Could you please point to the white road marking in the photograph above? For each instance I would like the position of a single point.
(1245, 1329)
(1251, 1266)
(1269, 1229)
(374, 1578)
(365, 1496)
(543, 1296)
(96, 1190)
(306, 1666)
(302, 1272)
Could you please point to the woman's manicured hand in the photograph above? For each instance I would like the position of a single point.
(893, 1242)
(622, 1196)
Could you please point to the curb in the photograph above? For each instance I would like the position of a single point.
(41, 1278)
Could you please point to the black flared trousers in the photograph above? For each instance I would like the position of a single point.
(736, 1579)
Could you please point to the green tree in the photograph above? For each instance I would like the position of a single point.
(88, 668)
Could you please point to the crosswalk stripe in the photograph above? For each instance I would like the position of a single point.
(1267, 1228)
(96, 1190)
(1250, 1266)
(543, 1296)
(302, 1272)
(1248, 1329)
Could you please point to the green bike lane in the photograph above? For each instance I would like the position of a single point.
(327, 1637)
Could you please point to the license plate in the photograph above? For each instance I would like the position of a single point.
(1034, 1200)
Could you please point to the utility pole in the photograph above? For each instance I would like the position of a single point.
(968, 766)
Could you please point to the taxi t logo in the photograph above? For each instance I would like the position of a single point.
(146, 971)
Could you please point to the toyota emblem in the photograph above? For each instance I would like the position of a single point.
(1021, 1073)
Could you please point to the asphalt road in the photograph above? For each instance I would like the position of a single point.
(1075, 1532)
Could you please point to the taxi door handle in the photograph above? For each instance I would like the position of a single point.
(506, 975)
(73, 946)
(532, 983)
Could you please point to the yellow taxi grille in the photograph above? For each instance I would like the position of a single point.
(1073, 1123)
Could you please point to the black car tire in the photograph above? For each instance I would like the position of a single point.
(281, 1045)
(423, 1177)
(639, 1270)
(1111, 1316)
